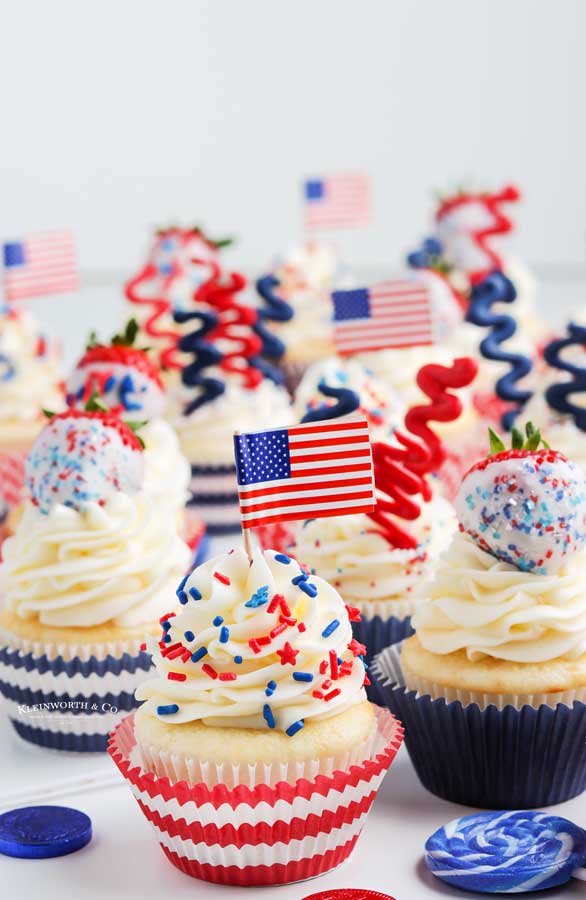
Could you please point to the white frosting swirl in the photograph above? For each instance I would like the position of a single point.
(362, 565)
(116, 562)
(29, 378)
(264, 678)
(206, 435)
(490, 608)
(166, 471)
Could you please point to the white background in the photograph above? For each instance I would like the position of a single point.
(124, 114)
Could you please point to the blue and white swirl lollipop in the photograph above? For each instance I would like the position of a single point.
(507, 852)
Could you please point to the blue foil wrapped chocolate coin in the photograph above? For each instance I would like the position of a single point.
(40, 832)
(506, 852)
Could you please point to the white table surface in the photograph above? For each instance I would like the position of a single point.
(124, 859)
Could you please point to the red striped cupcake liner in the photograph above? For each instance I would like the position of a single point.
(267, 834)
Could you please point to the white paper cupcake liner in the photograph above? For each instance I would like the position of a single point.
(257, 830)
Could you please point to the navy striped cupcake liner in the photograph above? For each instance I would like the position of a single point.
(487, 757)
(213, 496)
(69, 704)
(376, 634)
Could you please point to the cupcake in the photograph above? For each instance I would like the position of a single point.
(307, 277)
(177, 264)
(495, 676)
(379, 561)
(317, 395)
(222, 389)
(397, 370)
(128, 382)
(255, 754)
(470, 227)
(29, 381)
(206, 438)
(85, 576)
(380, 580)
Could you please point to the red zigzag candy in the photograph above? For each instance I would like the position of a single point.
(399, 472)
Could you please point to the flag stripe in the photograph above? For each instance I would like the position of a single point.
(322, 429)
(298, 502)
(305, 513)
(297, 490)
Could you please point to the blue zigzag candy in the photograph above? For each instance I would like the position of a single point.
(205, 354)
(557, 394)
(347, 401)
(497, 288)
(276, 310)
(422, 258)
(506, 852)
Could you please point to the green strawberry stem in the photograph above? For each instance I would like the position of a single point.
(519, 441)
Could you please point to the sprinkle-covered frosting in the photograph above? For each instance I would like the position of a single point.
(360, 563)
(255, 645)
(81, 458)
(527, 508)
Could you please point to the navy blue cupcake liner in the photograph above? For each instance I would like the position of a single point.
(376, 634)
(218, 508)
(128, 662)
(494, 758)
(57, 740)
(69, 704)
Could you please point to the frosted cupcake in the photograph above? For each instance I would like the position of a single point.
(177, 264)
(381, 581)
(380, 561)
(206, 438)
(258, 702)
(128, 382)
(471, 228)
(29, 381)
(317, 396)
(85, 576)
(307, 277)
(495, 676)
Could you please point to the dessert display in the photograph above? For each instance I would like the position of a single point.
(85, 576)
(498, 656)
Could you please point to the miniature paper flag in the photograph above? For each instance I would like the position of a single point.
(387, 315)
(40, 264)
(305, 471)
(340, 201)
